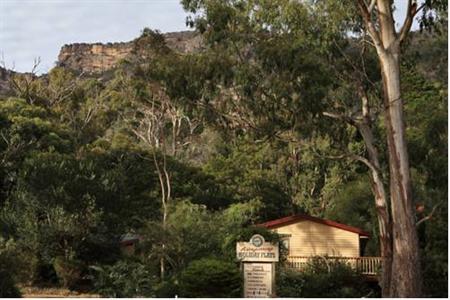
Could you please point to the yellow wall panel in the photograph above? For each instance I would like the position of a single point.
(310, 238)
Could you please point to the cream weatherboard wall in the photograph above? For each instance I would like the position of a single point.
(309, 238)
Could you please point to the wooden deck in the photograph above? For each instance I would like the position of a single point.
(369, 266)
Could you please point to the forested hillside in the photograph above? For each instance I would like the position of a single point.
(189, 150)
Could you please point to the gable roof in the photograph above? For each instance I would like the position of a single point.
(301, 217)
(129, 239)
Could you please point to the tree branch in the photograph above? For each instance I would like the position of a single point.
(338, 116)
(371, 6)
(365, 161)
(370, 26)
(352, 156)
(429, 216)
(364, 102)
(410, 14)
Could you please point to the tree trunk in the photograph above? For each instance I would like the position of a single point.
(163, 245)
(405, 275)
(164, 199)
(406, 272)
(384, 222)
(364, 127)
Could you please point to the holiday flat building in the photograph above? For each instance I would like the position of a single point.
(305, 237)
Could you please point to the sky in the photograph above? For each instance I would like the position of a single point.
(39, 28)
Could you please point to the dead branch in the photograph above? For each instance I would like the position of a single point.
(429, 216)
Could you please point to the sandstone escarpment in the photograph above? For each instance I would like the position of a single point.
(93, 58)
(98, 57)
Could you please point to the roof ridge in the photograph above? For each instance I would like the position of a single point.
(298, 217)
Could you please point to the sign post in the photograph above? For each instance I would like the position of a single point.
(258, 258)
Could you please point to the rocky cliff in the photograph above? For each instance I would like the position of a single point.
(96, 58)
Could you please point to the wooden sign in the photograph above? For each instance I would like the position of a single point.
(258, 280)
(258, 264)
(257, 250)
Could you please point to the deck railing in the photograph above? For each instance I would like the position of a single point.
(365, 265)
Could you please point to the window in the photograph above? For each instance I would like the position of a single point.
(285, 243)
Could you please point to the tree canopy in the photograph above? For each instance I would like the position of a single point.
(190, 151)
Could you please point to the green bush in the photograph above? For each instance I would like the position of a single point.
(210, 278)
(167, 289)
(43, 273)
(289, 283)
(8, 270)
(124, 279)
(68, 271)
(323, 278)
(8, 288)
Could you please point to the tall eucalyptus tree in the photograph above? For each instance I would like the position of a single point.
(280, 76)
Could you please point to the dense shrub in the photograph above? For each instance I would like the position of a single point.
(8, 288)
(43, 273)
(435, 270)
(323, 278)
(167, 289)
(68, 271)
(124, 279)
(289, 283)
(210, 278)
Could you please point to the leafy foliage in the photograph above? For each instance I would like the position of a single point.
(68, 271)
(322, 278)
(74, 177)
(8, 271)
(126, 278)
(210, 278)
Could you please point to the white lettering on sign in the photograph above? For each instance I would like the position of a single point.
(258, 280)
(248, 252)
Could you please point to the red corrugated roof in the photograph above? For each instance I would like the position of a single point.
(301, 217)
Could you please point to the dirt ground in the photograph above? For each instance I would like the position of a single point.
(37, 292)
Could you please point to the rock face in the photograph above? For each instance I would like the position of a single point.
(97, 58)
(92, 58)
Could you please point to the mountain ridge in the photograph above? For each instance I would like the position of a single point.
(94, 58)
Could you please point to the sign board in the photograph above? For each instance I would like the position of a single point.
(258, 280)
(257, 250)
